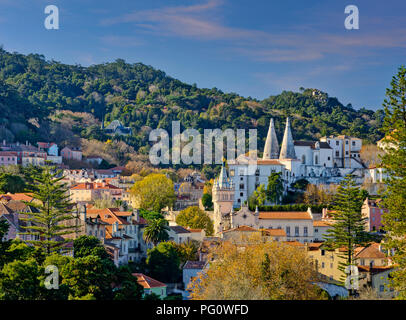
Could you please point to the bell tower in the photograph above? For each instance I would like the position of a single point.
(223, 198)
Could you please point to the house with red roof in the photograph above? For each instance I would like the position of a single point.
(151, 285)
(123, 231)
(90, 191)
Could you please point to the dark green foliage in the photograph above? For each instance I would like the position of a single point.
(89, 245)
(129, 288)
(19, 280)
(150, 215)
(139, 95)
(11, 183)
(274, 189)
(163, 262)
(300, 184)
(207, 201)
(89, 275)
(291, 207)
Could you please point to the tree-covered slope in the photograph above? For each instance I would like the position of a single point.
(143, 98)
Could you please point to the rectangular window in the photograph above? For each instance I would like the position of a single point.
(296, 231)
(305, 231)
(337, 153)
(288, 230)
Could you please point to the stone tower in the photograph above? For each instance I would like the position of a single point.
(223, 199)
(271, 150)
(288, 147)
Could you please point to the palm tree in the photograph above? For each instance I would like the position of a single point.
(156, 231)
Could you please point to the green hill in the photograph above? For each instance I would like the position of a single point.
(34, 90)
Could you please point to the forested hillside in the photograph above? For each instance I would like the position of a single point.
(34, 91)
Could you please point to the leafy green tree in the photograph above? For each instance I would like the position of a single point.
(156, 231)
(195, 218)
(11, 183)
(163, 262)
(19, 280)
(129, 288)
(274, 190)
(394, 161)
(89, 245)
(51, 199)
(150, 215)
(62, 293)
(89, 275)
(348, 228)
(207, 201)
(257, 198)
(154, 192)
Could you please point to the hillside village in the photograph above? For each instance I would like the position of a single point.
(120, 225)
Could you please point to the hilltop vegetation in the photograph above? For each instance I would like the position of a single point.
(34, 91)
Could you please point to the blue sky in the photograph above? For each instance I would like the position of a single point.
(255, 48)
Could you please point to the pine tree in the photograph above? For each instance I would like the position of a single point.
(394, 162)
(53, 209)
(348, 230)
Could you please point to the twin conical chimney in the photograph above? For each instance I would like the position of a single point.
(271, 150)
(288, 147)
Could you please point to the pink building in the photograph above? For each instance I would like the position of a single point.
(8, 158)
(372, 210)
(71, 153)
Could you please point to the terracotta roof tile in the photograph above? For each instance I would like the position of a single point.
(282, 215)
(148, 282)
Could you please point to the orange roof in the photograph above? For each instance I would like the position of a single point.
(195, 230)
(241, 229)
(294, 243)
(282, 215)
(107, 215)
(321, 223)
(18, 196)
(371, 252)
(94, 185)
(269, 162)
(148, 282)
(275, 232)
(314, 245)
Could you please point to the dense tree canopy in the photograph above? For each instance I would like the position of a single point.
(142, 97)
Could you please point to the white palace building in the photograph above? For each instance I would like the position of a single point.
(320, 162)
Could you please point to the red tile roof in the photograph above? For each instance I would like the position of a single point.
(94, 185)
(17, 196)
(148, 282)
(282, 215)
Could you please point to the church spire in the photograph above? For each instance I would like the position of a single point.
(288, 147)
(271, 150)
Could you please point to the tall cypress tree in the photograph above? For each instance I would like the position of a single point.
(51, 199)
(394, 162)
(348, 230)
